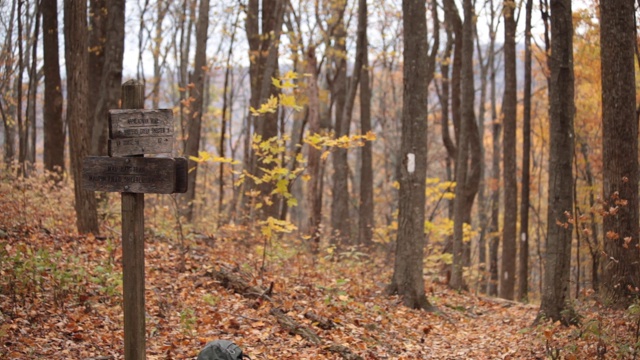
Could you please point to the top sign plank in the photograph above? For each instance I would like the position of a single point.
(136, 123)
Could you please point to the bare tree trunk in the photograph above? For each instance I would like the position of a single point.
(54, 136)
(314, 185)
(263, 48)
(592, 238)
(226, 105)
(22, 129)
(76, 56)
(7, 58)
(509, 110)
(196, 93)
(555, 295)
(483, 217)
(523, 270)
(466, 126)
(366, 208)
(407, 280)
(340, 219)
(33, 91)
(621, 267)
(98, 18)
(110, 89)
(494, 228)
(186, 27)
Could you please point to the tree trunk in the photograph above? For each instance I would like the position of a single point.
(108, 94)
(523, 270)
(365, 210)
(227, 104)
(8, 120)
(494, 228)
(340, 219)
(314, 185)
(466, 126)
(509, 110)
(621, 267)
(98, 18)
(76, 56)
(33, 92)
(263, 50)
(407, 280)
(54, 136)
(22, 132)
(592, 238)
(196, 94)
(555, 293)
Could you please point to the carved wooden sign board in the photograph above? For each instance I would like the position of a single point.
(137, 132)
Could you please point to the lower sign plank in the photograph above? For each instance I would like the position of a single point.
(141, 146)
(133, 175)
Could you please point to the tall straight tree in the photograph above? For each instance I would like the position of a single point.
(52, 111)
(496, 128)
(76, 57)
(196, 93)
(365, 210)
(340, 219)
(110, 80)
(466, 127)
(314, 185)
(407, 280)
(7, 58)
(263, 26)
(555, 294)
(509, 111)
(523, 270)
(33, 89)
(342, 205)
(621, 268)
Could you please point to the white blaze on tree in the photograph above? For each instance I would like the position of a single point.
(411, 163)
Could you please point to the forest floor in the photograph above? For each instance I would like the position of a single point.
(61, 298)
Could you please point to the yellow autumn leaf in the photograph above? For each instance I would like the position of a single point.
(269, 107)
(287, 100)
(370, 136)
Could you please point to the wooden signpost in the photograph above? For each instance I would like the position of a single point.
(134, 132)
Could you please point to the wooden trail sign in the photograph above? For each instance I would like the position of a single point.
(139, 131)
(134, 175)
(134, 132)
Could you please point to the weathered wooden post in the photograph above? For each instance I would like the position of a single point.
(134, 132)
(133, 248)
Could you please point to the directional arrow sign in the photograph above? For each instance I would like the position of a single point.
(132, 175)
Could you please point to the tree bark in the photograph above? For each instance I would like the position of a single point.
(76, 56)
(196, 93)
(227, 104)
(314, 185)
(263, 50)
(523, 270)
(466, 127)
(110, 79)
(340, 218)
(366, 208)
(494, 228)
(509, 111)
(33, 92)
(8, 120)
(97, 32)
(555, 293)
(54, 135)
(621, 267)
(407, 280)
